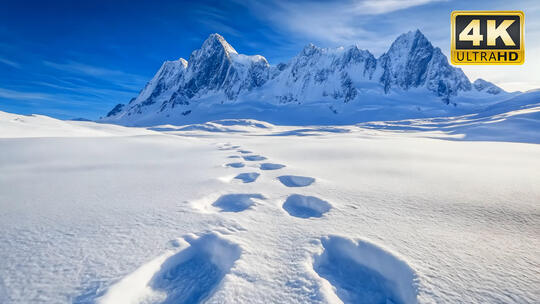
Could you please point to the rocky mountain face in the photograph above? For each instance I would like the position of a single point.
(317, 73)
(413, 62)
(485, 86)
(217, 74)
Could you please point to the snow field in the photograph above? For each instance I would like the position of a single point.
(457, 220)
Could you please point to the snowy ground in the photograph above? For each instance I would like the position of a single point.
(247, 212)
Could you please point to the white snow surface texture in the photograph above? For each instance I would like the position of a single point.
(441, 210)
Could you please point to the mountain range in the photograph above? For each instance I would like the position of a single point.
(319, 85)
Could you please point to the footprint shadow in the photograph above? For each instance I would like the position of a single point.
(253, 158)
(236, 202)
(270, 166)
(303, 206)
(188, 276)
(362, 272)
(247, 177)
(191, 275)
(235, 165)
(296, 181)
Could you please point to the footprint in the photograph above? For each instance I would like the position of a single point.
(296, 181)
(247, 177)
(270, 166)
(225, 148)
(362, 272)
(236, 202)
(253, 157)
(235, 165)
(190, 275)
(306, 206)
(233, 156)
(244, 151)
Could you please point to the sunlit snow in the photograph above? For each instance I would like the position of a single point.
(248, 212)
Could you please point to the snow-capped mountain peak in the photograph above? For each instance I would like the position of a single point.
(412, 61)
(216, 41)
(409, 45)
(482, 85)
(217, 74)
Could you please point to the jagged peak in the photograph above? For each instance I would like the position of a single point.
(419, 36)
(481, 81)
(419, 33)
(489, 87)
(216, 40)
(260, 58)
(408, 40)
(117, 109)
(416, 34)
(181, 61)
(310, 49)
(247, 60)
(355, 49)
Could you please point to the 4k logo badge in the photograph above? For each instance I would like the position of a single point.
(487, 37)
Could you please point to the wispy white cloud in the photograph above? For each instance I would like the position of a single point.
(215, 20)
(62, 99)
(333, 23)
(84, 90)
(116, 77)
(11, 63)
(23, 95)
(90, 70)
(376, 7)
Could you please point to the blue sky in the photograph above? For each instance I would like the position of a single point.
(71, 59)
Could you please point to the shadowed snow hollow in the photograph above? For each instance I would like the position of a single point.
(362, 272)
(247, 177)
(187, 276)
(306, 206)
(236, 202)
(296, 181)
